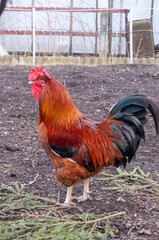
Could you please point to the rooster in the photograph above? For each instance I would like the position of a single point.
(79, 147)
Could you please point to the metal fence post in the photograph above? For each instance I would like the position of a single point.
(33, 32)
(103, 47)
(131, 36)
(71, 27)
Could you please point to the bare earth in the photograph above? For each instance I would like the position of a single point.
(94, 91)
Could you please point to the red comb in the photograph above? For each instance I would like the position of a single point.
(38, 72)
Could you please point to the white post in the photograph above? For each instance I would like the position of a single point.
(131, 36)
(33, 31)
(103, 48)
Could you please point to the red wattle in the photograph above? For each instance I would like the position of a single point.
(36, 90)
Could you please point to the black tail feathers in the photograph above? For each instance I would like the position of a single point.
(132, 111)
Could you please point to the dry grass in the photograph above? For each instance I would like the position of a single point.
(135, 182)
(25, 216)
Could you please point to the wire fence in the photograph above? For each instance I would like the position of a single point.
(60, 30)
(85, 31)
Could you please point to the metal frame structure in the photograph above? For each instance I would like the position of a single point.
(70, 33)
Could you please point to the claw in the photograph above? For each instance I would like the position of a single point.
(66, 205)
(84, 198)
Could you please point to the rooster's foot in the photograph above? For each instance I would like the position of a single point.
(66, 205)
(83, 198)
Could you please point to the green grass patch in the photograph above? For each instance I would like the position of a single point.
(26, 216)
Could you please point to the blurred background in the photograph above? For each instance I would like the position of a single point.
(80, 28)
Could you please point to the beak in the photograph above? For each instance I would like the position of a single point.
(30, 82)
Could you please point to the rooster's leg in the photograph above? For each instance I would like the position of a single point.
(68, 200)
(86, 192)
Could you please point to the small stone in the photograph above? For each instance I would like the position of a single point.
(144, 231)
(116, 230)
(120, 199)
(128, 224)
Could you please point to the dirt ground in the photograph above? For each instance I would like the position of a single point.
(94, 91)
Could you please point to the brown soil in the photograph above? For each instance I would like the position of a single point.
(94, 91)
